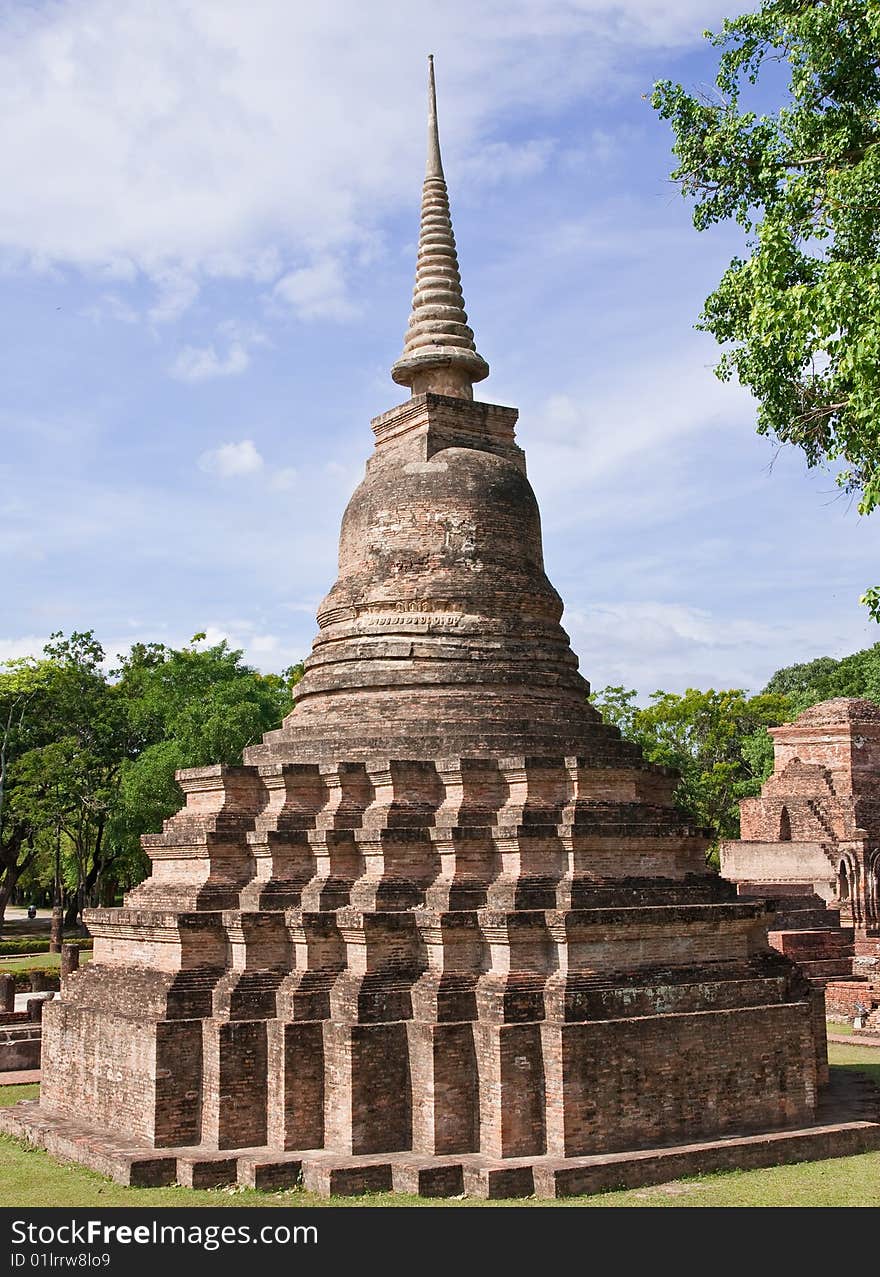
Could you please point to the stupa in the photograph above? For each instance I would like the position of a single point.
(810, 841)
(444, 930)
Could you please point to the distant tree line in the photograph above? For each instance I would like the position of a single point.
(718, 740)
(88, 755)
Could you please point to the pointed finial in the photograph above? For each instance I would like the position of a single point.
(434, 167)
(439, 355)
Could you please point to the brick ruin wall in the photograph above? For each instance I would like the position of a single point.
(402, 979)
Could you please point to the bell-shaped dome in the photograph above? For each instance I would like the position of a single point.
(442, 633)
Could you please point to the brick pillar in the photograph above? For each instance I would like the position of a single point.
(337, 865)
(296, 1085)
(399, 859)
(820, 1033)
(443, 1077)
(367, 1088)
(176, 1113)
(279, 843)
(7, 992)
(510, 1005)
(366, 1051)
(399, 864)
(533, 857)
(511, 1072)
(474, 792)
(69, 959)
(234, 1105)
(469, 861)
(443, 1064)
(56, 933)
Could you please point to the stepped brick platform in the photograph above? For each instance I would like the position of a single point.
(444, 930)
(463, 970)
(847, 1123)
(810, 845)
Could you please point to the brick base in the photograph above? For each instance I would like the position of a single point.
(843, 996)
(849, 1123)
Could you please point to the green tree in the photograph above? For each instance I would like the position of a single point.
(73, 780)
(22, 694)
(63, 741)
(799, 314)
(87, 759)
(716, 740)
(855, 675)
(188, 707)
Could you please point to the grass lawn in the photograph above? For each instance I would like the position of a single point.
(29, 1177)
(45, 961)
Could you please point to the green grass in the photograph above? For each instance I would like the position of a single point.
(29, 1177)
(12, 1094)
(865, 1059)
(41, 961)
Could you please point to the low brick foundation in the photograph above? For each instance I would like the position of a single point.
(848, 1123)
(842, 997)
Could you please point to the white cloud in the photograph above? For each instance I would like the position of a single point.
(231, 460)
(183, 141)
(501, 161)
(284, 479)
(317, 292)
(176, 292)
(265, 650)
(111, 306)
(579, 438)
(27, 645)
(649, 645)
(264, 643)
(201, 363)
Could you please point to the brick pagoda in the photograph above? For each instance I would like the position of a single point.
(444, 929)
(811, 843)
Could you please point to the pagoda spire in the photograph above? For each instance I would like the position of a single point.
(439, 354)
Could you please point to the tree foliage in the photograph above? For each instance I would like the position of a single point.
(799, 314)
(716, 740)
(87, 758)
(22, 694)
(190, 707)
(824, 678)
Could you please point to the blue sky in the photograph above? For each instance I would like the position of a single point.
(207, 239)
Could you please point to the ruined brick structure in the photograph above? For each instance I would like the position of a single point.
(444, 928)
(811, 843)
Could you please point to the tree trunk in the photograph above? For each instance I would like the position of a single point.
(10, 878)
(77, 902)
(13, 865)
(56, 933)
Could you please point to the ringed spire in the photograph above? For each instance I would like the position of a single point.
(439, 353)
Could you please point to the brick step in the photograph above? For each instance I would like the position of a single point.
(813, 944)
(805, 920)
(826, 968)
(807, 900)
(842, 1130)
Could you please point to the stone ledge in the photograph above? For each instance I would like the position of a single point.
(472, 1174)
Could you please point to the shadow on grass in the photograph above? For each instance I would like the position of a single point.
(856, 1059)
